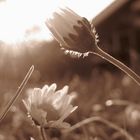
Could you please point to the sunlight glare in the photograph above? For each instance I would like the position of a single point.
(23, 20)
(17, 16)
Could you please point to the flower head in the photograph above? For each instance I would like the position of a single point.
(72, 31)
(49, 108)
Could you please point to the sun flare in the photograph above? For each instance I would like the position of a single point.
(20, 17)
(22, 20)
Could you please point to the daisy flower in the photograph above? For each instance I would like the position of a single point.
(48, 107)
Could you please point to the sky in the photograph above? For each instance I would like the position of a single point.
(22, 20)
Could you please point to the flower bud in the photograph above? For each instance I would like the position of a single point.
(71, 31)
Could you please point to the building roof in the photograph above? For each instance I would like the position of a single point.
(115, 6)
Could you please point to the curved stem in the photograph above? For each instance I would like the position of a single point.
(99, 119)
(98, 51)
(43, 134)
(18, 92)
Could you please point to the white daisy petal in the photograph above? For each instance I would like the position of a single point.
(66, 113)
(44, 89)
(52, 88)
(55, 33)
(27, 105)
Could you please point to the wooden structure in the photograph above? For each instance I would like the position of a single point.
(119, 30)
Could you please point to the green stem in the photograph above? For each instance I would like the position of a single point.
(17, 94)
(43, 134)
(98, 51)
(99, 119)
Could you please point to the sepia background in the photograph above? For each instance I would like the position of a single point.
(101, 88)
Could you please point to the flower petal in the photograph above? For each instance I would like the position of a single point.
(27, 105)
(61, 93)
(38, 115)
(71, 16)
(44, 89)
(52, 88)
(55, 33)
(36, 96)
(65, 24)
(69, 110)
(47, 97)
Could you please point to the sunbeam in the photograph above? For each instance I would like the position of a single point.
(22, 20)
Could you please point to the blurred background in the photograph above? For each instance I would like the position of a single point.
(101, 88)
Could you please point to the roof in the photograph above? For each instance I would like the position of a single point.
(112, 8)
